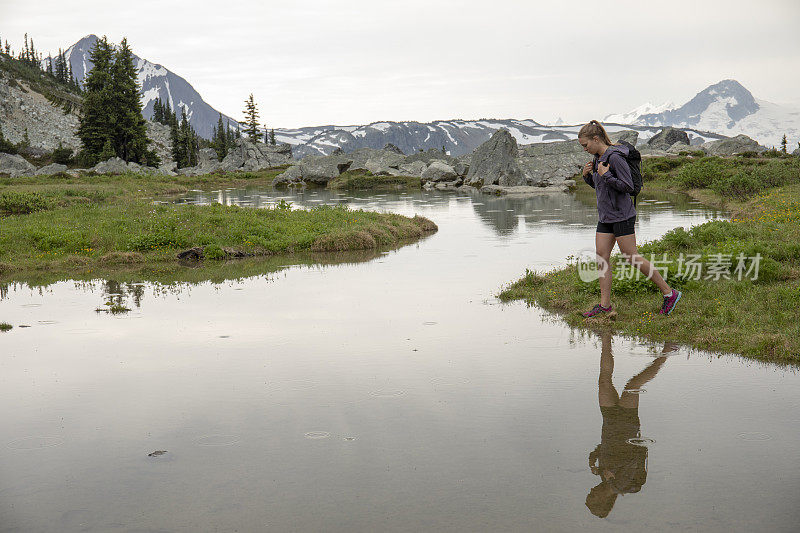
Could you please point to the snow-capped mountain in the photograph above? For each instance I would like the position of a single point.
(727, 108)
(156, 81)
(456, 136)
(644, 109)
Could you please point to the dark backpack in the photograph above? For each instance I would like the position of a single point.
(634, 159)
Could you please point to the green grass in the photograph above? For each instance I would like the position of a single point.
(75, 227)
(365, 180)
(4, 326)
(755, 318)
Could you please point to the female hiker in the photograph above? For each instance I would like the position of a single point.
(610, 177)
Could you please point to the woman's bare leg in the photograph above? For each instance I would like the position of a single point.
(627, 245)
(604, 243)
(631, 399)
(606, 393)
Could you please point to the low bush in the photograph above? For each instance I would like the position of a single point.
(22, 203)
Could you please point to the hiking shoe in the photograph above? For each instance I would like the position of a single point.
(669, 302)
(596, 310)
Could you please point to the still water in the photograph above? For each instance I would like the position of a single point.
(391, 392)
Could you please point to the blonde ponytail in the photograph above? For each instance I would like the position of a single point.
(595, 129)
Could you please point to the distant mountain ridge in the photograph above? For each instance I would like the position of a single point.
(458, 137)
(156, 81)
(727, 108)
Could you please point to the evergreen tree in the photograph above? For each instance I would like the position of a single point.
(60, 70)
(112, 111)
(251, 118)
(783, 144)
(184, 142)
(99, 103)
(272, 137)
(158, 111)
(108, 151)
(220, 141)
(230, 138)
(174, 135)
(130, 135)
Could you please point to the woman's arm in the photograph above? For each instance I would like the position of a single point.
(588, 174)
(620, 179)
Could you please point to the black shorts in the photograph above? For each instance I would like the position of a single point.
(623, 227)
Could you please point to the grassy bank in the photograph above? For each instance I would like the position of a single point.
(752, 317)
(83, 226)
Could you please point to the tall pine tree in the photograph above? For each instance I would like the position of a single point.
(112, 119)
(220, 141)
(130, 135)
(251, 118)
(99, 102)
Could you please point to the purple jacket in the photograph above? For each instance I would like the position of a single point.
(614, 189)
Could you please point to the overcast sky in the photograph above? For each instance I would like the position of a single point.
(358, 61)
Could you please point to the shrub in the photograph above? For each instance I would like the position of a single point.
(214, 251)
(22, 203)
(741, 185)
(702, 173)
(772, 152)
(62, 156)
(7, 146)
(677, 238)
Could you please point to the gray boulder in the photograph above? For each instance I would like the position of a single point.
(359, 157)
(383, 161)
(51, 169)
(250, 156)
(206, 157)
(439, 171)
(115, 165)
(679, 147)
(15, 165)
(667, 137)
(553, 162)
(434, 154)
(321, 170)
(207, 162)
(290, 176)
(314, 169)
(495, 162)
(629, 136)
(415, 168)
(734, 145)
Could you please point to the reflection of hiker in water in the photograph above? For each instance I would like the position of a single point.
(622, 466)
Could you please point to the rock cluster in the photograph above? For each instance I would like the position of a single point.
(668, 137)
(432, 166)
(731, 146)
(495, 163)
(15, 165)
(23, 110)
